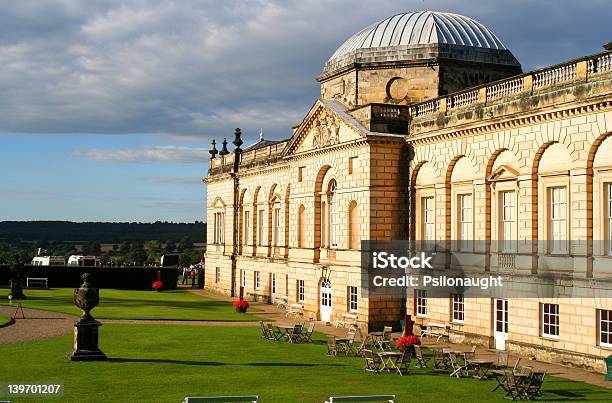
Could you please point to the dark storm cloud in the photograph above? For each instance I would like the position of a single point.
(202, 68)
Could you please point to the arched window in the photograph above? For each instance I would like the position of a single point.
(333, 215)
(353, 226)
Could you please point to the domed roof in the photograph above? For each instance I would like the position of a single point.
(417, 29)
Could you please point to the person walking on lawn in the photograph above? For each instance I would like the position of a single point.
(185, 275)
(193, 276)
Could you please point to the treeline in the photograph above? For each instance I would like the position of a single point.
(104, 232)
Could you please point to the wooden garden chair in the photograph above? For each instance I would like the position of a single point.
(385, 342)
(403, 363)
(421, 360)
(534, 385)
(294, 335)
(440, 361)
(307, 336)
(458, 370)
(373, 363)
(331, 346)
(514, 386)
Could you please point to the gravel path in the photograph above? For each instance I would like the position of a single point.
(36, 325)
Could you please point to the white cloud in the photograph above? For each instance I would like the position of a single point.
(147, 154)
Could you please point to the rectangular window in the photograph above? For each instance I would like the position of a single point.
(420, 302)
(466, 232)
(609, 216)
(277, 226)
(217, 274)
(351, 163)
(458, 313)
(558, 219)
(261, 227)
(301, 291)
(508, 221)
(604, 319)
(243, 278)
(550, 320)
(300, 173)
(247, 227)
(256, 281)
(333, 225)
(218, 228)
(352, 302)
(273, 283)
(428, 222)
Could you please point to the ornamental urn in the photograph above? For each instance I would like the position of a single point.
(86, 297)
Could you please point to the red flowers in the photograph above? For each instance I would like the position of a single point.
(241, 303)
(408, 341)
(157, 285)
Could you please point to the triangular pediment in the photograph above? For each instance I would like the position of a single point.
(325, 125)
(503, 172)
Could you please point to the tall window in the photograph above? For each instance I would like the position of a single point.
(218, 228)
(429, 220)
(352, 302)
(273, 283)
(420, 302)
(301, 291)
(457, 307)
(508, 221)
(353, 226)
(277, 226)
(609, 216)
(243, 278)
(247, 227)
(558, 219)
(301, 226)
(256, 281)
(550, 320)
(466, 233)
(604, 319)
(333, 215)
(217, 274)
(261, 226)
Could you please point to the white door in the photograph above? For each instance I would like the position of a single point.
(326, 300)
(272, 287)
(500, 323)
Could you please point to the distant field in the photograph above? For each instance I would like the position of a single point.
(128, 304)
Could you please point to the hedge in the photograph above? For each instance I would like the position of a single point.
(129, 278)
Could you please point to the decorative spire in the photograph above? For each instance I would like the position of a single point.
(261, 134)
(237, 140)
(224, 150)
(213, 151)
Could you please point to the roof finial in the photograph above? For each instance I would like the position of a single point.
(261, 134)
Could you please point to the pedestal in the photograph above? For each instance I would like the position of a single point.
(86, 341)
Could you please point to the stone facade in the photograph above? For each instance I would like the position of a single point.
(285, 218)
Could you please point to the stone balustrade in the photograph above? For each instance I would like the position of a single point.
(576, 70)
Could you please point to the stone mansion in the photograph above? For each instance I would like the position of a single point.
(427, 129)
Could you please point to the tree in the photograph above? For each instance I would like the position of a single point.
(169, 246)
(153, 246)
(184, 244)
(125, 248)
(137, 256)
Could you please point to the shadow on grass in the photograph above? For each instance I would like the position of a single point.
(165, 361)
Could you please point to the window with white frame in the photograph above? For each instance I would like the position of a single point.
(420, 302)
(604, 319)
(218, 236)
(428, 221)
(550, 320)
(466, 225)
(301, 291)
(507, 201)
(457, 308)
(333, 215)
(609, 216)
(277, 226)
(247, 227)
(352, 302)
(261, 227)
(217, 274)
(256, 281)
(557, 216)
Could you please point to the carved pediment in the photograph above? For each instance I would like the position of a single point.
(502, 173)
(321, 128)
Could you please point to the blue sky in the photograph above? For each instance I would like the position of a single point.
(107, 108)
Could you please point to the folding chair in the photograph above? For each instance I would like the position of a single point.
(467, 356)
(331, 346)
(385, 343)
(514, 387)
(273, 334)
(458, 370)
(404, 363)
(421, 359)
(294, 335)
(264, 331)
(533, 386)
(373, 363)
(307, 336)
(440, 361)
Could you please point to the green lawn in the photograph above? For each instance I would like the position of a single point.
(176, 304)
(164, 363)
(4, 320)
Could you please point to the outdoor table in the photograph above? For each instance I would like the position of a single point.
(500, 377)
(389, 360)
(344, 344)
(377, 338)
(481, 367)
(283, 330)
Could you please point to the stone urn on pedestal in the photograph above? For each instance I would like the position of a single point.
(86, 347)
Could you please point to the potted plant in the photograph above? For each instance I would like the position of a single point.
(158, 285)
(241, 305)
(408, 342)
